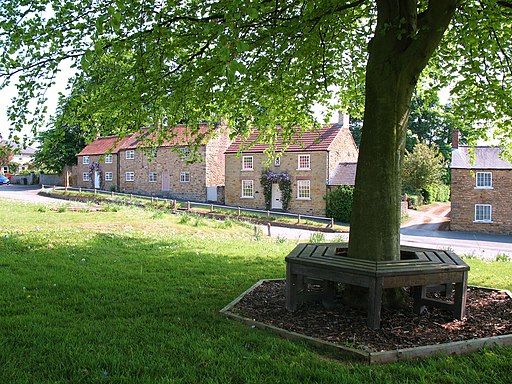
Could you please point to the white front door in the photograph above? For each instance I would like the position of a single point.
(276, 197)
(97, 180)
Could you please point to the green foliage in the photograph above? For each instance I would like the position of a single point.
(339, 203)
(317, 237)
(422, 169)
(431, 122)
(440, 192)
(415, 201)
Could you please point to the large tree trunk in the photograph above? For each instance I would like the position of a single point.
(403, 43)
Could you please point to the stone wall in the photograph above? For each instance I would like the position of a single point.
(343, 149)
(104, 167)
(289, 163)
(465, 196)
(168, 166)
(215, 160)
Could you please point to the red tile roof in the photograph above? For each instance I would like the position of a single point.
(180, 135)
(318, 140)
(102, 145)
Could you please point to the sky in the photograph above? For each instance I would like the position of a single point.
(8, 93)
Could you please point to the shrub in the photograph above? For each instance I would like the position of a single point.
(415, 201)
(339, 203)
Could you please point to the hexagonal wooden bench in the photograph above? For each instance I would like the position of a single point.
(419, 268)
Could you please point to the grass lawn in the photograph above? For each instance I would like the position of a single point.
(132, 296)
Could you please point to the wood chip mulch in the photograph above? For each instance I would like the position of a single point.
(489, 313)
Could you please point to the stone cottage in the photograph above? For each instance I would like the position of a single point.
(481, 188)
(171, 169)
(305, 170)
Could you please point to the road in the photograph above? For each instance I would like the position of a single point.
(28, 193)
(421, 230)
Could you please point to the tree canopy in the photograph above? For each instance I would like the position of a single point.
(266, 63)
(253, 62)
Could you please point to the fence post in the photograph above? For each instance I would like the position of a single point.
(80, 190)
(174, 206)
(238, 211)
(268, 229)
(131, 196)
(211, 208)
(111, 193)
(298, 219)
(94, 191)
(42, 186)
(54, 188)
(188, 205)
(66, 189)
(268, 214)
(332, 222)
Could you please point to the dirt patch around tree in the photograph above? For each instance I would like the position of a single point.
(488, 314)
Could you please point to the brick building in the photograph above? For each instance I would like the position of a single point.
(171, 169)
(312, 164)
(481, 189)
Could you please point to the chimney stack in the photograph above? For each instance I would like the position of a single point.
(343, 119)
(455, 139)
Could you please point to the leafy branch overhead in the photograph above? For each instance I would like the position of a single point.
(253, 62)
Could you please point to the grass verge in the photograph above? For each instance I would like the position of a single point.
(127, 296)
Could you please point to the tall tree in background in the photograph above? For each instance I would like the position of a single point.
(431, 123)
(263, 64)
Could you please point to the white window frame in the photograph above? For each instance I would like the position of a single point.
(130, 176)
(277, 161)
(300, 167)
(109, 176)
(130, 154)
(184, 152)
(85, 160)
(86, 176)
(184, 177)
(249, 159)
(483, 219)
(153, 177)
(481, 179)
(109, 159)
(303, 189)
(247, 186)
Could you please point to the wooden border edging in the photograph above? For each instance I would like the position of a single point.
(453, 348)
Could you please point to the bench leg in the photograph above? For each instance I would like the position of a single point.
(418, 294)
(291, 289)
(374, 303)
(329, 294)
(459, 300)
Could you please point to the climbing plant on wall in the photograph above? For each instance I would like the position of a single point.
(93, 168)
(285, 185)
